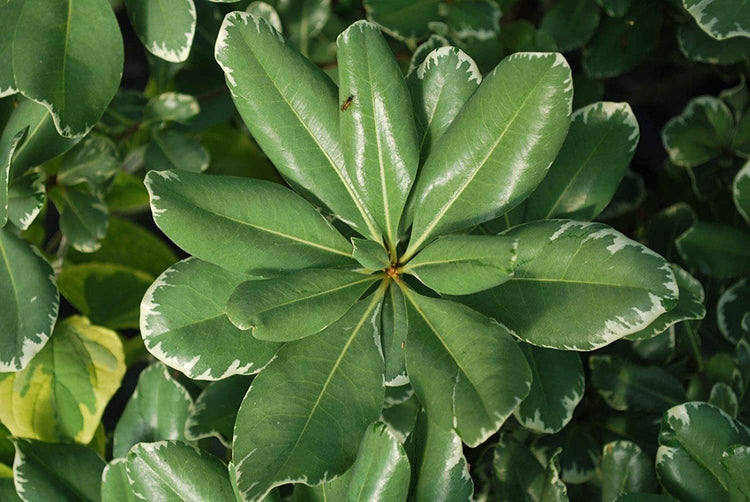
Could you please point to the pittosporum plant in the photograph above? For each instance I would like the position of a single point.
(385, 267)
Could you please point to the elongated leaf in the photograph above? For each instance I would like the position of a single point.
(243, 225)
(9, 14)
(395, 329)
(184, 324)
(28, 302)
(553, 489)
(83, 216)
(215, 410)
(581, 271)
(741, 191)
(406, 21)
(66, 74)
(115, 485)
(130, 245)
(439, 89)
(292, 426)
(439, 469)
(110, 295)
(722, 396)
(692, 440)
(5, 162)
(370, 254)
(59, 472)
(267, 12)
(689, 306)
(165, 27)
(8, 490)
(420, 54)
(166, 470)
(716, 250)
(94, 160)
(61, 394)
(157, 410)
(622, 43)
(517, 475)
(586, 173)
(625, 385)
(477, 170)
(466, 369)
(556, 389)
(736, 461)
(579, 457)
(171, 107)
(304, 20)
(700, 133)
(733, 304)
(571, 23)
(172, 150)
(26, 197)
(378, 136)
(381, 472)
(402, 417)
(464, 264)
(721, 18)
(698, 45)
(272, 308)
(625, 469)
(274, 88)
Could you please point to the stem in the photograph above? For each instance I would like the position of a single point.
(694, 344)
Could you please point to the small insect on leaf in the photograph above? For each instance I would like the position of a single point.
(347, 103)
(403, 344)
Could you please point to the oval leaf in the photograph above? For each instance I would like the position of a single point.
(716, 250)
(625, 469)
(165, 27)
(215, 410)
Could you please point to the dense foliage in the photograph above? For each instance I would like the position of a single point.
(315, 250)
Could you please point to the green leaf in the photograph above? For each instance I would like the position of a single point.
(629, 196)
(466, 369)
(733, 304)
(439, 89)
(395, 326)
(42, 142)
(571, 23)
(741, 191)
(556, 389)
(736, 461)
(480, 168)
(292, 425)
(580, 453)
(699, 46)
(666, 225)
(592, 161)
(28, 302)
(267, 12)
(741, 140)
(26, 197)
(83, 216)
(700, 133)
(689, 306)
(622, 43)
(176, 471)
(370, 254)
(439, 469)
(721, 18)
(625, 469)
(127, 193)
(722, 396)
(8, 490)
(582, 271)
(130, 245)
(716, 250)
(5, 163)
(165, 27)
(173, 150)
(381, 472)
(420, 54)
(464, 264)
(9, 13)
(115, 485)
(94, 160)
(553, 489)
(62, 393)
(171, 107)
(304, 20)
(59, 472)
(184, 324)
(516, 474)
(108, 294)
(246, 226)
(215, 410)
(157, 410)
(68, 56)
(275, 88)
(615, 8)
(273, 308)
(406, 21)
(378, 136)
(627, 386)
(692, 440)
